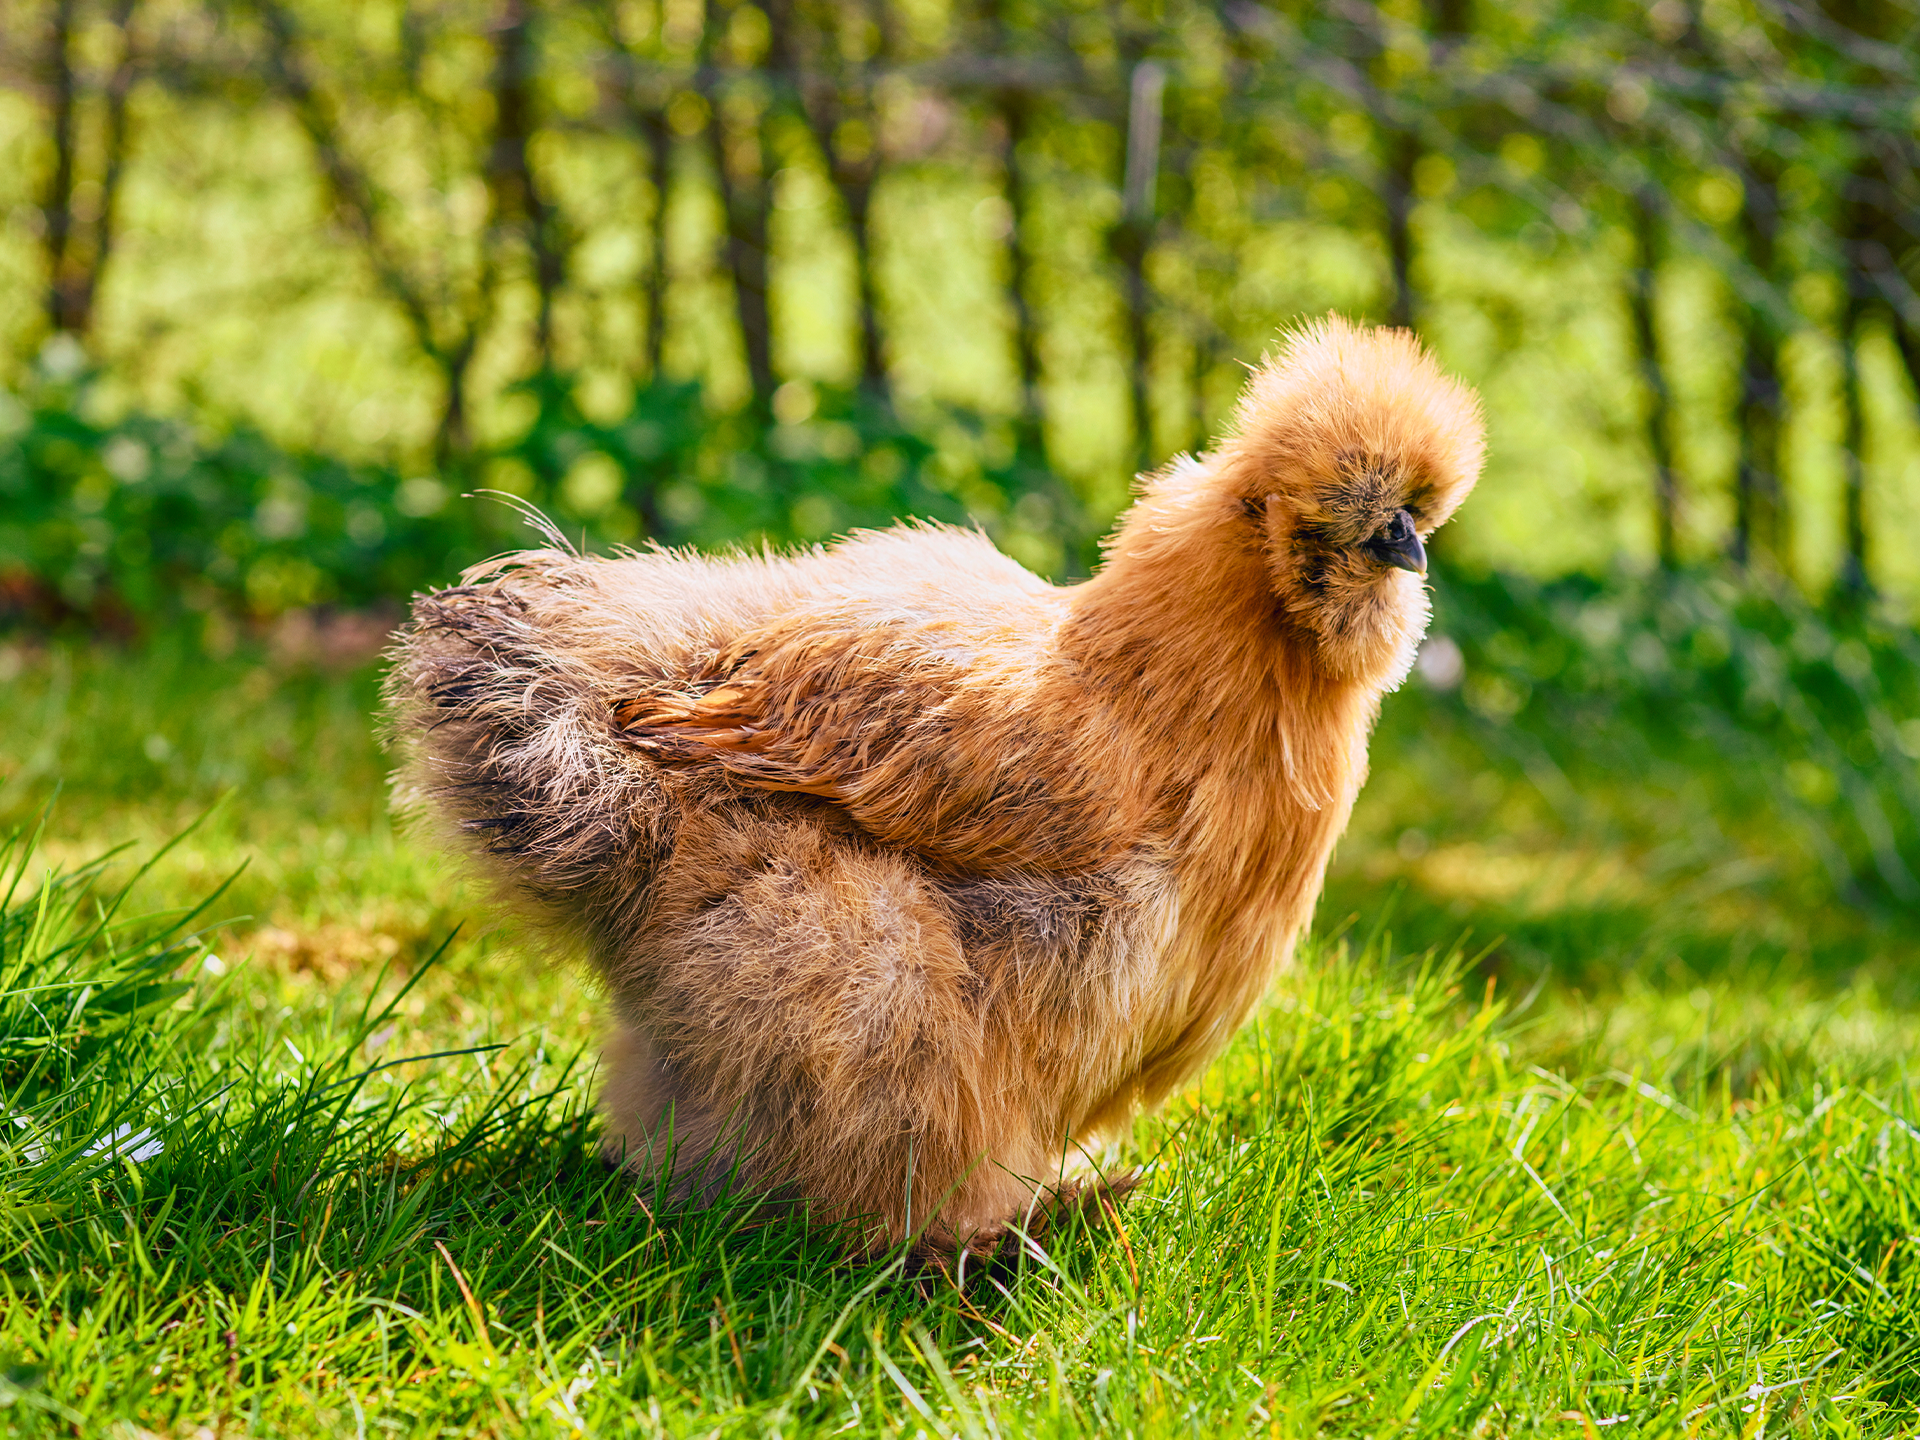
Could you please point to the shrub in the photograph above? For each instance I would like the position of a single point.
(1791, 715)
(120, 524)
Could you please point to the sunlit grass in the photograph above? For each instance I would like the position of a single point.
(1409, 1200)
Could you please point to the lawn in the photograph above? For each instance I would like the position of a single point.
(1582, 1113)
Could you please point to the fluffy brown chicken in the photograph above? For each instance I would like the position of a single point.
(912, 877)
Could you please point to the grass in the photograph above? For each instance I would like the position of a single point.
(1643, 1163)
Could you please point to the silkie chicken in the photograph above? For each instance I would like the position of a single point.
(911, 877)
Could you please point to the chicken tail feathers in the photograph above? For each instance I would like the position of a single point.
(508, 739)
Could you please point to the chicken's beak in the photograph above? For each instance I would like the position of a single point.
(1399, 545)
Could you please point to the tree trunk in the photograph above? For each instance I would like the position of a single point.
(1757, 481)
(1880, 221)
(1396, 195)
(358, 204)
(1642, 295)
(1853, 566)
(857, 195)
(56, 206)
(1132, 238)
(739, 165)
(453, 437)
(1862, 224)
(838, 107)
(77, 246)
(517, 201)
(1016, 116)
(1013, 109)
(1447, 22)
(106, 227)
(654, 283)
(1760, 515)
(746, 199)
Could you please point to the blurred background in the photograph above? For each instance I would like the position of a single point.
(283, 282)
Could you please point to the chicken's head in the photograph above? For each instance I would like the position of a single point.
(1350, 448)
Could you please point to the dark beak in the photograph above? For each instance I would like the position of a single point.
(1399, 545)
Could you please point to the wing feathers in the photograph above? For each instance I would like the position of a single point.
(928, 738)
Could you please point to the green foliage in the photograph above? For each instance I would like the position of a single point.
(825, 460)
(1797, 719)
(1673, 246)
(139, 519)
(131, 522)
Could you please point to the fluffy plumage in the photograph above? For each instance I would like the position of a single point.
(910, 875)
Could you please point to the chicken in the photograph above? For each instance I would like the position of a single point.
(911, 878)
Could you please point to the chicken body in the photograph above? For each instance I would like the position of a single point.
(910, 875)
